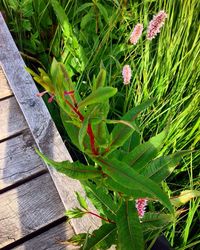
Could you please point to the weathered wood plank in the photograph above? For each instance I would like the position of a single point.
(53, 239)
(28, 208)
(40, 123)
(5, 90)
(11, 118)
(18, 159)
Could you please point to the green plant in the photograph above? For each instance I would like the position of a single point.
(120, 172)
(166, 68)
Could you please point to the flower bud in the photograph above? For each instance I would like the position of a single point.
(136, 34)
(126, 73)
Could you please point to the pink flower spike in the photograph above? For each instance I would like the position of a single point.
(126, 73)
(51, 99)
(155, 24)
(136, 34)
(141, 206)
(42, 93)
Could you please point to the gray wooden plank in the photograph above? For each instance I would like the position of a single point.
(18, 159)
(5, 90)
(11, 118)
(28, 208)
(53, 239)
(41, 124)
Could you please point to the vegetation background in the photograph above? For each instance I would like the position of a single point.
(166, 68)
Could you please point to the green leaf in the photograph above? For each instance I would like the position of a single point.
(101, 78)
(43, 79)
(30, 71)
(102, 238)
(130, 236)
(100, 129)
(132, 142)
(83, 133)
(121, 132)
(129, 178)
(160, 168)
(81, 201)
(115, 186)
(86, 19)
(70, 40)
(100, 198)
(103, 12)
(83, 6)
(78, 239)
(99, 95)
(75, 170)
(118, 154)
(71, 129)
(62, 18)
(75, 213)
(121, 122)
(155, 221)
(140, 156)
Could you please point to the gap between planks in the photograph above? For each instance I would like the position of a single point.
(28, 208)
(19, 161)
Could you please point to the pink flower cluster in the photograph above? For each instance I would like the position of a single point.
(153, 29)
(155, 24)
(126, 73)
(141, 206)
(136, 34)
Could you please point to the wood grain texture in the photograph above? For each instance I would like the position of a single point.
(18, 159)
(28, 208)
(5, 90)
(53, 239)
(40, 123)
(11, 118)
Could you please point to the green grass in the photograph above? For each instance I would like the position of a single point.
(167, 68)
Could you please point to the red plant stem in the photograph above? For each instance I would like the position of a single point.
(81, 117)
(102, 218)
(92, 140)
(89, 128)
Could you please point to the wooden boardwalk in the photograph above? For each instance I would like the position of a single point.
(33, 196)
(29, 202)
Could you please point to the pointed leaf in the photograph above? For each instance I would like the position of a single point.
(100, 198)
(81, 201)
(75, 213)
(77, 239)
(121, 132)
(101, 78)
(71, 129)
(129, 178)
(100, 130)
(103, 12)
(62, 18)
(130, 236)
(160, 168)
(98, 96)
(75, 170)
(101, 238)
(140, 156)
